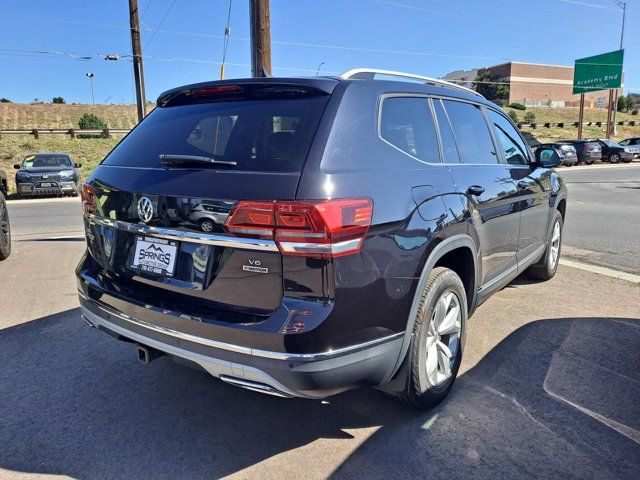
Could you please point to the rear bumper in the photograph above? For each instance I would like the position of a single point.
(307, 375)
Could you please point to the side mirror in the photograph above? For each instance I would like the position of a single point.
(77, 165)
(547, 158)
(16, 166)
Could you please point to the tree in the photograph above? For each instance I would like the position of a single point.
(90, 121)
(4, 100)
(58, 100)
(530, 117)
(490, 87)
(514, 116)
(623, 104)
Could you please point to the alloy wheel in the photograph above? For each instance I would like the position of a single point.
(206, 226)
(443, 338)
(614, 158)
(555, 246)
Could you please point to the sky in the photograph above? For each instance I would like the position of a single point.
(183, 40)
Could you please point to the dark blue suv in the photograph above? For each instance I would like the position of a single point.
(356, 222)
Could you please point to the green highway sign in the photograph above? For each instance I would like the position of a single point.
(600, 72)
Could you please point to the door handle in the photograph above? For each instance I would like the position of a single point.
(475, 190)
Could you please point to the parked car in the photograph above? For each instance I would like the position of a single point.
(4, 186)
(47, 174)
(370, 219)
(613, 152)
(630, 141)
(634, 143)
(5, 228)
(588, 151)
(566, 152)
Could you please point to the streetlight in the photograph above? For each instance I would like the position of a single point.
(91, 75)
(623, 6)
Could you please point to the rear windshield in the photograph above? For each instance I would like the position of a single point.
(260, 135)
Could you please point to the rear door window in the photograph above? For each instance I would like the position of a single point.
(513, 147)
(260, 135)
(471, 133)
(407, 124)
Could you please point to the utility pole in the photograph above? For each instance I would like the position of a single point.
(91, 75)
(260, 38)
(138, 72)
(623, 6)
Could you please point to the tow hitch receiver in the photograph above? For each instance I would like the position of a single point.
(147, 354)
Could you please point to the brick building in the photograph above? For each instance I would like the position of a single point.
(535, 84)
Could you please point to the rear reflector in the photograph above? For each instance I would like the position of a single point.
(87, 195)
(313, 228)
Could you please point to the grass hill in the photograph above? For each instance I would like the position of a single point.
(50, 115)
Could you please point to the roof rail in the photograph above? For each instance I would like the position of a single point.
(370, 73)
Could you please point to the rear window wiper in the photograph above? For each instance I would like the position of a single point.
(169, 160)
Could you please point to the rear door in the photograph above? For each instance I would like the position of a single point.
(488, 184)
(158, 230)
(534, 185)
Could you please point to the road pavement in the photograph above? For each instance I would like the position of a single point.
(549, 387)
(603, 215)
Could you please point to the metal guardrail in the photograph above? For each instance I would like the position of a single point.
(631, 123)
(107, 132)
(72, 132)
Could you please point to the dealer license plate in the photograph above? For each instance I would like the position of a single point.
(155, 255)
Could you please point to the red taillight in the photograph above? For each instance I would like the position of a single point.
(87, 194)
(315, 228)
(251, 219)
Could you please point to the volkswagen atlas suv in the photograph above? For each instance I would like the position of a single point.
(366, 217)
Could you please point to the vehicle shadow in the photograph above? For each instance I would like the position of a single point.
(558, 398)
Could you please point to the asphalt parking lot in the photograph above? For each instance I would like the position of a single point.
(549, 387)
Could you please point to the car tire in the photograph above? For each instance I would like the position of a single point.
(5, 229)
(548, 265)
(627, 160)
(430, 376)
(614, 158)
(207, 225)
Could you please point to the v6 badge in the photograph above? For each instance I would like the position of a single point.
(255, 266)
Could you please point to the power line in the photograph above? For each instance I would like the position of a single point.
(555, 12)
(281, 42)
(493, 22)
(516, 15)
(145, 10)
(583, 4)
(160, 24)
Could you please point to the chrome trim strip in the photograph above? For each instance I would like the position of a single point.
(183, 236)
(510, 270)
(253, 386)
(372, 72)
(246, 350)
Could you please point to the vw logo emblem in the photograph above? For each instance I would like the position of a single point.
(44, 175)
(145, 209)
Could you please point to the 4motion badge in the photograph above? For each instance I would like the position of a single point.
(255, 266)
